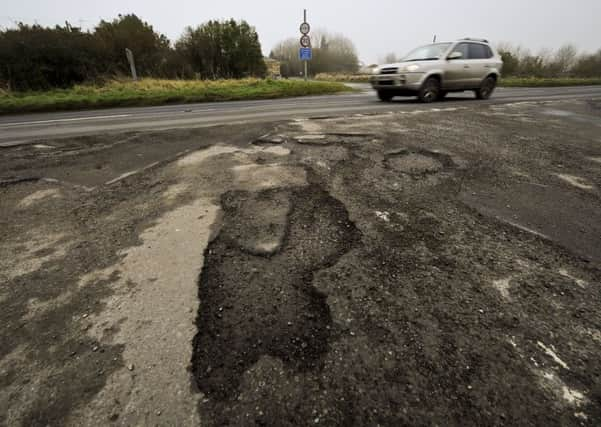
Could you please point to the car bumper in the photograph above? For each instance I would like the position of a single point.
(397, 82)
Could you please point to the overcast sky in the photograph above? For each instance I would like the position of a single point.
(376, 27)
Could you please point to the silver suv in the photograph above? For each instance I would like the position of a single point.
(430, 72)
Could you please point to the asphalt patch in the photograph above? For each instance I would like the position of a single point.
(252, 305)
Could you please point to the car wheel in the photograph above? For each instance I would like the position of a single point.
(487, 88)
(385, 96)
(430, 90)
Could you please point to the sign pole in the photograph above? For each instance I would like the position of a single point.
(306, 62)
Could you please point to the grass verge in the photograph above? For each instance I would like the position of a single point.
(547, 82)
(504, 82)
(157, 92)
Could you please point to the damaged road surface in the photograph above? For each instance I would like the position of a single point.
(424, 267)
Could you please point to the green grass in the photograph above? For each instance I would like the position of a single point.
(547, 82)
(157, 92)
(505, 82)
(342, 77)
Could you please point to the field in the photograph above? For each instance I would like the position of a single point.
(157, 92)
(505, 82)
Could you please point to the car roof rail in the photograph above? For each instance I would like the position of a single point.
(473, 39)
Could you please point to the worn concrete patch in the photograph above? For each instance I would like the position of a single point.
(261, 177)
(503, 286)
(40, 195)
(565, 395)
(262, 223)
(153, 312)
(201, 156)
(582, 283)
(29, 254)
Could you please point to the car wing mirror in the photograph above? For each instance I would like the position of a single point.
(455, 55)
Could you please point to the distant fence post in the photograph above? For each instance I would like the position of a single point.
(9, 85)
(132, 64)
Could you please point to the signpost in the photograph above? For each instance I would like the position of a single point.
(305, 41)
(305, 53)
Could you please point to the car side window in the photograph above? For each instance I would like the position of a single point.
(489, 53)
(479, 51)
(464, 49)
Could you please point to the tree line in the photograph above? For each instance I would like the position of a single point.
(518, 61)
(332, 53)
(566, 61)
(33, 57)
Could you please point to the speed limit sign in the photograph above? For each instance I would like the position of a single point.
(305, 41)
(305, 28)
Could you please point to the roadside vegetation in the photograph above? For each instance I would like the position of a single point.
(548, 81)
(332, 53)
(511, 81)
(33, 57)
(156, 92)
(64, 67)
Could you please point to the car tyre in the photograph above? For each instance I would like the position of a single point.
(486, 88)
(385, 96)
(430, 90)
(442, 94)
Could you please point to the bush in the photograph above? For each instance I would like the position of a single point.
(33, 57)
(222, 50)
(39, 58)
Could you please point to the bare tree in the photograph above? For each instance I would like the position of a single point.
(565, 58)
(390, 58)
(331, 53)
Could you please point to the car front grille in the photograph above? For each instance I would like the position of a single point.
(389, 70)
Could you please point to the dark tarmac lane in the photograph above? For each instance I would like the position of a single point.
(16, 130)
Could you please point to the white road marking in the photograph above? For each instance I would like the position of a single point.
(576, 181)
(553, 356)
(567, 275)
(131, 173)
(72, 119)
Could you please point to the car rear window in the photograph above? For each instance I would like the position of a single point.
(479, 51)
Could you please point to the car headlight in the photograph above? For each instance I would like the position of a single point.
(412, 68)
(375, 70)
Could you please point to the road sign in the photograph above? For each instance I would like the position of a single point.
(305, 28)
(305, 54)
(305, 41)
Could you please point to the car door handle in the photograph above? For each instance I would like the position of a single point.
(466, 66)
(487, 66)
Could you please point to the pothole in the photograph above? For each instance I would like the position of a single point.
(256, 304)
(270, 140)
(419, 162)
(313, 139)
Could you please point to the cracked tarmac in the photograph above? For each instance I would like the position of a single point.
(424, 268)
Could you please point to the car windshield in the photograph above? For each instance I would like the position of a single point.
(427, 53)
